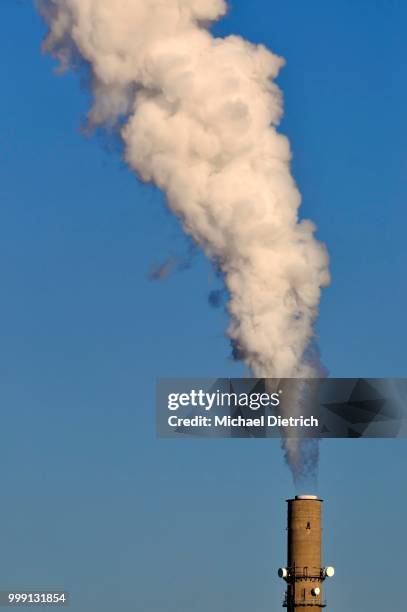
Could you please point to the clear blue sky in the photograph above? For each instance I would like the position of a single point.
(91, 501)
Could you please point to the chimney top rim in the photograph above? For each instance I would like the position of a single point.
(307, 498)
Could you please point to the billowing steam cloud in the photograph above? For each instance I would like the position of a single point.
(198, 115)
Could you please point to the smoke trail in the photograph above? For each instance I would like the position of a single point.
(172, 263)
(198, 116)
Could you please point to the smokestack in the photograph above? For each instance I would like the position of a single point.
(304, 573)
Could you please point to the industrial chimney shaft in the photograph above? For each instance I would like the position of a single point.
(304, 573)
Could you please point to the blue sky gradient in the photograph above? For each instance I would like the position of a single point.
(91, 501)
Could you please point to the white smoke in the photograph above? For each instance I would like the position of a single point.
(198, 116)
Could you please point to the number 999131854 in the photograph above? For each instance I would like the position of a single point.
(39, 598)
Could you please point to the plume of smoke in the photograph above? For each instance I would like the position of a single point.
(198, 116)
(299, 398)
(173, 263)
(216, 298)
(164, 269)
